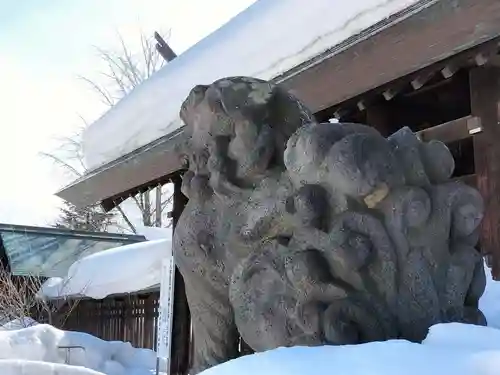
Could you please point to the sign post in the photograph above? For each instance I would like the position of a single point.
(165, 313)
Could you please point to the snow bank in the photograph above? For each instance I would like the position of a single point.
(21, 367)
(465, 336)
(448, 350)
(267, 39)
(454, 348)
(42, 343)
(154, 233)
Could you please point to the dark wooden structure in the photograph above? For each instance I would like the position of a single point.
(129, 318)
(132, 318)
(434, 67)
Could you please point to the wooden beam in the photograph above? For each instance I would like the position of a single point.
(418, 82)
(452, 131)
(432, 35)
(485, 104)
(389, 94)
(339, 114)
(181, 332)
(480, 59)
(245, 349)
(164, 49)
(449, 71)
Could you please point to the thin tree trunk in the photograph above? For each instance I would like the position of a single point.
(147, 214)
(125, 217)
(158, 207)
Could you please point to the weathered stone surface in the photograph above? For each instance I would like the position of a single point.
(299, 233)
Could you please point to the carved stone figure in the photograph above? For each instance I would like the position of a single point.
(237, 188)
(299, 233)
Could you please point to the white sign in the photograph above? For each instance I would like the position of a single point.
(165, 312)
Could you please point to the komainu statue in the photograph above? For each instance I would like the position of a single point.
(301, 233)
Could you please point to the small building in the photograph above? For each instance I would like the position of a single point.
(432, 65)
(38, 253)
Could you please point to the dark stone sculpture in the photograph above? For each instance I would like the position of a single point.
(299, 233)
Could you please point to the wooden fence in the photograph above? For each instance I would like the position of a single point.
(132, 318)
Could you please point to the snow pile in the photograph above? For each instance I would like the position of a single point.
(449, 349)
(489, 303)
(22, 367)
(39, 350)
(125, 269)
(266, 40)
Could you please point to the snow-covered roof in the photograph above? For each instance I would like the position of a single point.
(121, 270)
(126, 269)
(266, 40)
(49, 252)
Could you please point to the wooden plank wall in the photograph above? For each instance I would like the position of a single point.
(485, 104)
(131, 319)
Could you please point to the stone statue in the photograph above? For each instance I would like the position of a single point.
(300, 233)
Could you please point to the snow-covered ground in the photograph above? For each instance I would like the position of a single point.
(264, 41)
(455, 349)
(39, 350)
(449, 349)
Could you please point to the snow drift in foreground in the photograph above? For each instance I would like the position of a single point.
(125, 269)
(21, 367)
(37, 351)
(449, 349)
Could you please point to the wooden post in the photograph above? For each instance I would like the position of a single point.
(181, 332)
(245, 349)
(164, 49)
(485, 104)
(158, 208)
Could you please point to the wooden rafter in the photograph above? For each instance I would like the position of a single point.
(452, 131)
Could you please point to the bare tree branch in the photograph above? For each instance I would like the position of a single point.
(20, 301)
(62, 163)
(106, 97)
(127, 220)
(138, 202)
(125, 70)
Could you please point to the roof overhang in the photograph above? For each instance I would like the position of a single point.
(401, 45)
(150, 165)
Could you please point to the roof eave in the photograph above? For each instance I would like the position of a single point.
(408, 43)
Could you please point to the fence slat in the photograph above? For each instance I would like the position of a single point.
(131, 318)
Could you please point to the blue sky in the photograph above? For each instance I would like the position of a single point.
(44, 46)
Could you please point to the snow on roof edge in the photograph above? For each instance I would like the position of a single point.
(151, 110)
